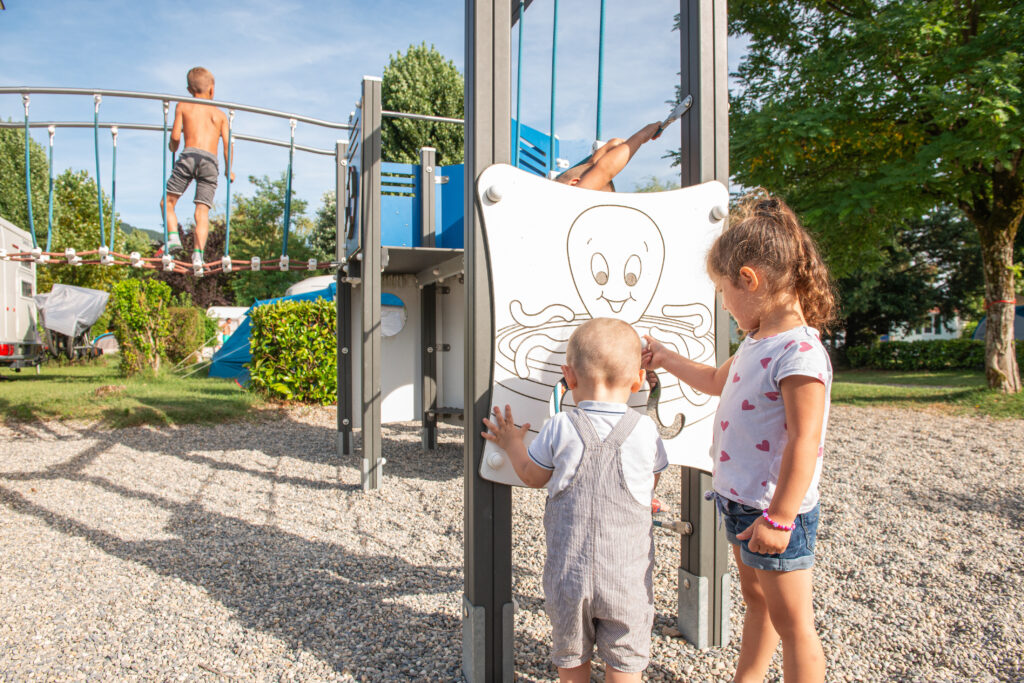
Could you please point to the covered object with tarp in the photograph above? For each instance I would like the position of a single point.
(68, 313)
(231, 359)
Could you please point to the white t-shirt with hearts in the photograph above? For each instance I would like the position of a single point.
(750, 431)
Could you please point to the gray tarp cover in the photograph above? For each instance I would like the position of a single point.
(71, 310)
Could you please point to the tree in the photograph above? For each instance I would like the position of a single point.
(422, 81)
(13, 204)
(256, 230)
(324, 238)
(655, 184)
(867, 115)
(76, 224)
(932, 263)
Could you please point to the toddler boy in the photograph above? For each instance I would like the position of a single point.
(600, 463)
(203, 126)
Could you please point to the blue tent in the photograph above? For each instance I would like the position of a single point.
(231, 358)
(1018, 325)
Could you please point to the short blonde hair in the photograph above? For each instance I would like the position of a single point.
(199, 80)
(605, 350)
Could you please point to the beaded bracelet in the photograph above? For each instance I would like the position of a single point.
(776, 525)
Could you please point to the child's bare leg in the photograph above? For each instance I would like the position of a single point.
(202, 225)
(759, 636)
(615, 676)
(172, 218)
(577, 674)
(788, 595)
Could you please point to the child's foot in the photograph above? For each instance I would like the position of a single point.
(173, 242)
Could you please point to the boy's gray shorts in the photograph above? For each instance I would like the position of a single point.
(200, 165)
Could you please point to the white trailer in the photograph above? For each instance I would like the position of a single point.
(19, 337)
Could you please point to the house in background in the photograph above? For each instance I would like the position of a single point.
(936, 327)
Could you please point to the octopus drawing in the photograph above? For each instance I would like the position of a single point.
(636, 258)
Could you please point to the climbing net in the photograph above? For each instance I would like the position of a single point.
(104, 254)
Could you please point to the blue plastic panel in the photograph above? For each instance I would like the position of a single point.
(399, 205)
(534, 149)
(451, 207)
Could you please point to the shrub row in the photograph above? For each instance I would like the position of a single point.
(938, 354)
(294, 348)
(141, 322)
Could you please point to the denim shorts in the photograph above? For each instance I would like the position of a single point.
(799, 554)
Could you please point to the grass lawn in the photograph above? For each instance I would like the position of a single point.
(95, 391)
(955, 391)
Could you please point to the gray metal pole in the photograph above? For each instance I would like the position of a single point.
(428, 361)
(428, 195)
(487, 617)
(344, 303)
(370, 272)
(704, 556)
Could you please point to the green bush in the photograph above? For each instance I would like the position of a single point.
(187, 330)
(293, 351)
(140, 321)
(937, 354)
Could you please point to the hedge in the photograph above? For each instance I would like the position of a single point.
(937, 354)
(141, 322)
(294, 351)
(188, 332)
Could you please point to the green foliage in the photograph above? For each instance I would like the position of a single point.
(256, 230)
(13, 204)
(141, 323)
(422, 81)
(938, 354)
(209, 290)
(187, 332)
(77, 225)
(324, 239)
(294, 351)
(655, 184)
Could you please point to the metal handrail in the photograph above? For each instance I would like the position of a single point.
(131, 94)
(150, 126)
(419, 117)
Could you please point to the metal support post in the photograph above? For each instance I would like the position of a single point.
(370, 271)
(428, 196)
(704, 556)
(487, 618)
(428, 344)
(344, 304)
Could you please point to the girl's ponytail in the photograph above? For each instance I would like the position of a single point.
(765, 233)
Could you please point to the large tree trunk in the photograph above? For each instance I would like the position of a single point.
(997, 220)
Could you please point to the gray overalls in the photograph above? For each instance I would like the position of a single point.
(600, 556)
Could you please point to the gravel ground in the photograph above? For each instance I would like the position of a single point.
(246, 551)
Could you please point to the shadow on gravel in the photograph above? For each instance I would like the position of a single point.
(339, 606)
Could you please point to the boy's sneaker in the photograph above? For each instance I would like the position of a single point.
(197, 259)
(173, 242)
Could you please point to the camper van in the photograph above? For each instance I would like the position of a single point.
(19, 339)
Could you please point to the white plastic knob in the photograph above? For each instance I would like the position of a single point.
(225, 263)
(255, 262)
(3, 255)
(136, 259)
(167, 262)
(284, 263)
(495, 192)
(495, 461)
(311, 264)
(718, 212)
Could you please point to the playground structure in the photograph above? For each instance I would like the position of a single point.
(433, 256)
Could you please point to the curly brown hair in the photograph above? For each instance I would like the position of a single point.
(764, 233)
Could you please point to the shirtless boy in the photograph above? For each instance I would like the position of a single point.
(203, 125)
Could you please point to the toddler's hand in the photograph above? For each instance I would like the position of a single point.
(505, 433)
(764, 539)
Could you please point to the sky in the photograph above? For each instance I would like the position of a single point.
(308, 57)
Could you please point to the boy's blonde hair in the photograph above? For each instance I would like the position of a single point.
(605, 350)
(199, 80)
(567, 176)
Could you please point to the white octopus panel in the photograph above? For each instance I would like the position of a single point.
(560, 256)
